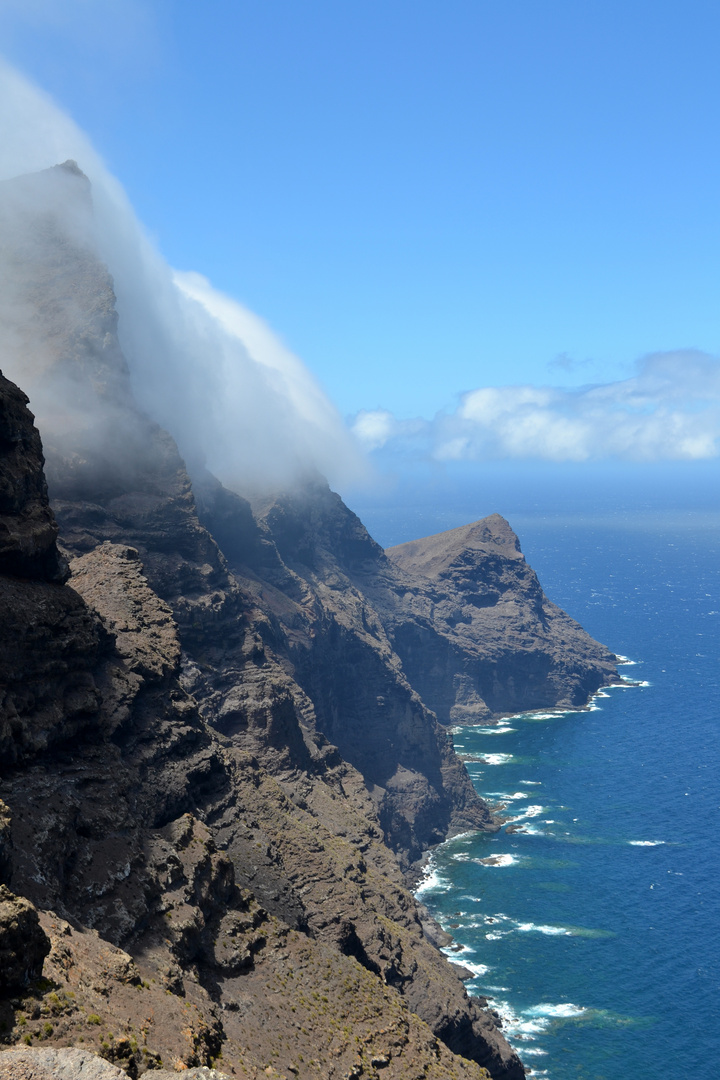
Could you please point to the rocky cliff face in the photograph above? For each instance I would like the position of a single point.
(203, 893)
(477, 636)
(220, 743)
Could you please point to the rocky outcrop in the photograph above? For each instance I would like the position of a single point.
(305, 560)
(477, 636)
(44, 1063)
(23, 945)
(28, 532)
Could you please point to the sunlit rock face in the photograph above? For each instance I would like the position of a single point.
(486, 641)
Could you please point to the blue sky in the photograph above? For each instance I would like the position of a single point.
(425, 199)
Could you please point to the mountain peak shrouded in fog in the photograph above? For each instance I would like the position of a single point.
(248, 410)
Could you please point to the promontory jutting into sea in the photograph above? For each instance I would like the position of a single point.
(226, 741)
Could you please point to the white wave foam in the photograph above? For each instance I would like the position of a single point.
(646, 843)
(478, 970)
(539, 928)
(455, 951)
(496, 759)
(433, 882)
(625, 660)
(562, 1010)
(495, 730)
(534, 783)
(497, 860)
(528, 1029)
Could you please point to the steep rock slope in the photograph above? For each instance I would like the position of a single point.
(203, 926)
(308, 556)
(201, 832)
(459, 617)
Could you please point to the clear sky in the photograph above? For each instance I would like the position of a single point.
(428, 199)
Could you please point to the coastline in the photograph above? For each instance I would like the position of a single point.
(519, 1029)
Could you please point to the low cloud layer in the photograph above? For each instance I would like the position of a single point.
(668, 411)
(204, 367)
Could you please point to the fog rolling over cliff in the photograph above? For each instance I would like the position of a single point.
(212, 373)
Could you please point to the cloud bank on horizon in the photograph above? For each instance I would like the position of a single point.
(212, 373)
(668, 411)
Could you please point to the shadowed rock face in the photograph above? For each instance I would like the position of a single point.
(334, 635)
(219, 747)
(23, 945)
(28, 532)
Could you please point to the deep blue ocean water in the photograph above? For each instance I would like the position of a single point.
(595, 930)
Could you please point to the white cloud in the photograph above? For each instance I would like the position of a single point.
(203, 366)
(669, 410)
(373, 428)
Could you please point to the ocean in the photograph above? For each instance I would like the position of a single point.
(591, 920)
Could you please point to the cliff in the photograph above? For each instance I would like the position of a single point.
(220, 737)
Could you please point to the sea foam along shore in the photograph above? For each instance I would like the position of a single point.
(524, 1026)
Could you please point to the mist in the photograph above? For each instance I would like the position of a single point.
(235, 399)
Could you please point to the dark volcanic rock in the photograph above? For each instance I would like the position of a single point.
(28, 533)
(107, 762)
(315, 586)
(23, 944)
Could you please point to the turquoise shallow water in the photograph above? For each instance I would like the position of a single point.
(594, 930)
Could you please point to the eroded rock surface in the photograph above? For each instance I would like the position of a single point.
(28, 532)
(46, 1063)
(482, 639)
(162, 914)
(23, 944)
